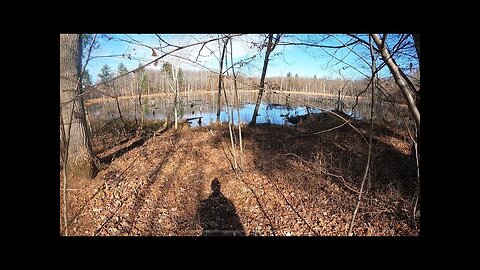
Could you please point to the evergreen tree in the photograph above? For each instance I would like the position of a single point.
(167, 68)
(142, 78)
(180, 76)
(105, 74)
(144, 82)
(122, 69)
(86, 78)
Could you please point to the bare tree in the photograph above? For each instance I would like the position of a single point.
(78, 151)
(220, 79)
(175, 86)
(399, 80)
(237, 104)
(270, 47)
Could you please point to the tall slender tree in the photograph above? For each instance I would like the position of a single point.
(220, 80)
(270, 47)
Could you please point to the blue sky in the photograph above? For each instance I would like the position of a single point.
(301, 60)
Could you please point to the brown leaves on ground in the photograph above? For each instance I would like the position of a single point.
(290, 185)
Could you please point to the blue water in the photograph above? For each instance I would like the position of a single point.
(267, 113)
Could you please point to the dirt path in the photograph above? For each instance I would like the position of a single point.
(158, 189)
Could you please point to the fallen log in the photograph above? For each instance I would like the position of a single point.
(193, 118)
(120, 149)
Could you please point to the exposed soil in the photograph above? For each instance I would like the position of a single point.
(289, 184)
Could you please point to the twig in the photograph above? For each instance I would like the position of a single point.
(65, 198)
(235, 100)
(108, 219)
(223, 149)
(378, 211)
(322, 171)
(347, 46)
(330, 129)
(65, 161)
(291, 206)
(369, 145)
(259, 204)
(292, 154)
(415, 208)
(318, 46)
(341, 177)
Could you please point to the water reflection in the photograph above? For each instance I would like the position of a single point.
(202, 108)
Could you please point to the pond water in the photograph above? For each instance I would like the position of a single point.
(274, 108)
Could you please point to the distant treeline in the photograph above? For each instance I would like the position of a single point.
(150, 81)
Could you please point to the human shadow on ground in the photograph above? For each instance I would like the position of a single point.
(218, 216)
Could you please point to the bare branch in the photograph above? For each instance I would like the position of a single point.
(108, 56)
(91, 88)
(367, 167)
(169, 44)
(351, 49)
(394, 69)
(316, 45)
(330, 129)
(211, 52)
(362, 41)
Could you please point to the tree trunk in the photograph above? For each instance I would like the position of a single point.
(220, 79)
(394, 69)
(416, 40)
(175, 83)
(78, 148)
(262, 79)
(139, 85)
(237, 104)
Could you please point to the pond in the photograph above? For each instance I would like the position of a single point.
(202, 108)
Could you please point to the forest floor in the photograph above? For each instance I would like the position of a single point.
(292, 182)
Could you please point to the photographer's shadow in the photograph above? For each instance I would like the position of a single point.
(218, 216)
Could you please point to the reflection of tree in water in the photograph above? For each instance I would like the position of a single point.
(267, 113)
(218, 216)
